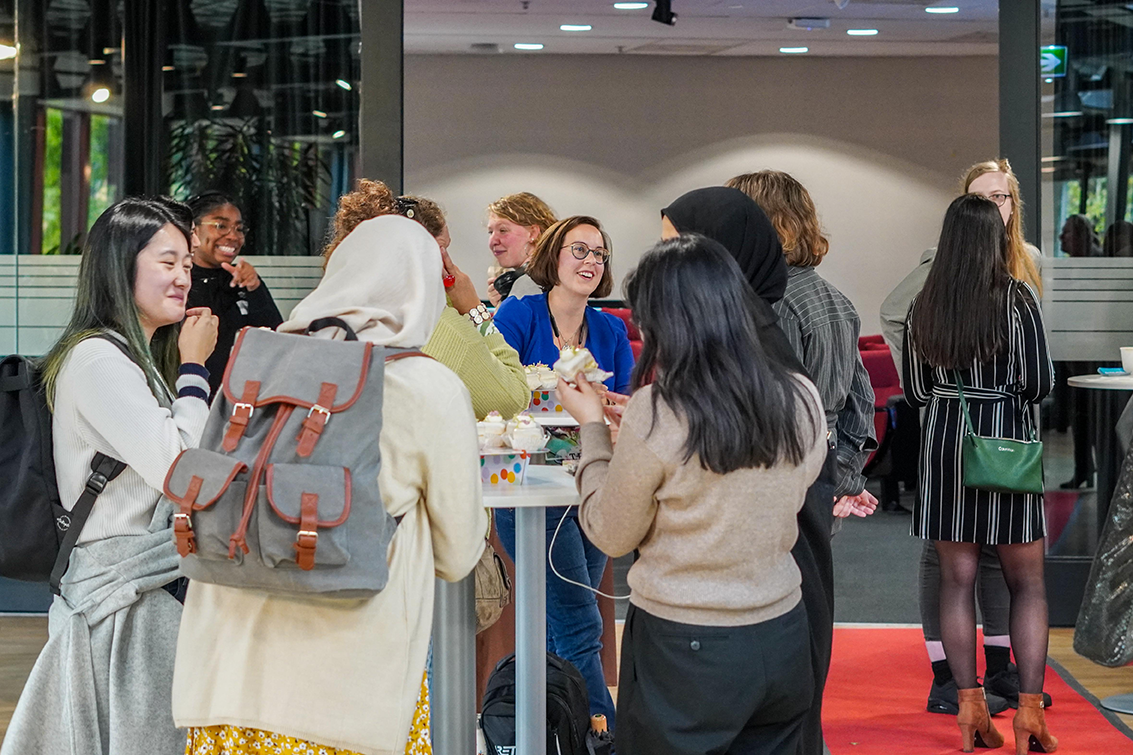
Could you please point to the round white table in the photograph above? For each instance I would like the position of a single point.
(1117, 703)
(545, 486)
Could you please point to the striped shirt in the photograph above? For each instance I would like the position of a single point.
(822, 326)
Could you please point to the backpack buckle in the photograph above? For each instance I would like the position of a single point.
(240, 405)
(305, 545)
(320, 410)
(96, 483)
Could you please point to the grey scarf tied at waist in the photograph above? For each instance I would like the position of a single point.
(103, 682)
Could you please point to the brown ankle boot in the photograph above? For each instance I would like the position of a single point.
(976, 728)
(1030, 726)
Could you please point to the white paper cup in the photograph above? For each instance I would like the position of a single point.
(1127, 359)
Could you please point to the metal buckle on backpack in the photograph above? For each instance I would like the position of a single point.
(309, 533)
(236, 409)
(96, 483)
(184, 518)
(321, 410)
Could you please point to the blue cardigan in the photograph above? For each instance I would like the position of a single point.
(526, 325)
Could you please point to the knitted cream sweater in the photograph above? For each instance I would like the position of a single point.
(103, 403)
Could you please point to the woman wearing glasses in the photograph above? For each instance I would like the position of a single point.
(231, 290)
(571, 263)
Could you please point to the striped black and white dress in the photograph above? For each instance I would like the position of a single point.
(999, 394)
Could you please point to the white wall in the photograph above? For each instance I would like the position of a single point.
(879, 142)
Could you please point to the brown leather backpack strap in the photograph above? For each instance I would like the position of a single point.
(308, 540)
(405, 354)
(182, 521)
(241, 414)
(317, 419)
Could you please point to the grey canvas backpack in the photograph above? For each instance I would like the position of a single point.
(282, 494)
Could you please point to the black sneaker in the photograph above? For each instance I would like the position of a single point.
(1006, 685)
(943, 698)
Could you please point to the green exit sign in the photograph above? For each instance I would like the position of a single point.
(1052, 61)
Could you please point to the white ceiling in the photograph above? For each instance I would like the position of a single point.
(703, 27)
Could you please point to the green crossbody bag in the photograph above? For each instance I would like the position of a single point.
(1000, 465)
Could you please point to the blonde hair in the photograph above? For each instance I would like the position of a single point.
(525, 209)
(788, 206)
(1019, 262)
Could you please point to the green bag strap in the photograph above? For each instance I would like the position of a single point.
(964, 406)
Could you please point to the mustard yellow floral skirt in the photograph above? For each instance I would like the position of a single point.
(233, 740)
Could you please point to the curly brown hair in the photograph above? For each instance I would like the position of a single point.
(524, 208)
(788, 206)
(371, 199)
(543, 267)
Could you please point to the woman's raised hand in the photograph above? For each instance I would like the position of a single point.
(461, 293)
(198, 335)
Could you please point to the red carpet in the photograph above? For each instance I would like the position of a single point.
(875, 703)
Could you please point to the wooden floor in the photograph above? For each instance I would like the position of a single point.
(20, 641)
(22, 637)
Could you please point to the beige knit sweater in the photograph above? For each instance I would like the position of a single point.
(715, 550)
(346, 673)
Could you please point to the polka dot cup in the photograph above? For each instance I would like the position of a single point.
(504, 468)
(545, 402)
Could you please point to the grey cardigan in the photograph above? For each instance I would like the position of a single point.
(103, 683)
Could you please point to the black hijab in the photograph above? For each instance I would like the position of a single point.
(731, 217)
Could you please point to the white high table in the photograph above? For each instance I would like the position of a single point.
(545, 486)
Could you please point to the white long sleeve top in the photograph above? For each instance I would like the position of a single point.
(103, 403)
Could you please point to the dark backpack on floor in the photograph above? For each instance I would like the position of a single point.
(568, 708)
(36, 532)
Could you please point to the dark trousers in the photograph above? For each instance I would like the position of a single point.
(697, 690)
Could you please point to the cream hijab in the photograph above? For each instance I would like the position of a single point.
(383, 280)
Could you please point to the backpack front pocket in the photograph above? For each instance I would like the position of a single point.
(300, 526)
(201, 480)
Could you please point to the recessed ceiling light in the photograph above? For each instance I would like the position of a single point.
(102, 94)
(942, 9)
(344, 84)
(528, 46)
(1119, 121)
(862, 32)
(1064, 114)
(631, 6)
(109, 50)
(217, 107)
(7, 52)
(318, 114)
(575, 27)
(167, 68)
(239, 75)
(338, 134)
(794, 50)
(97, 62)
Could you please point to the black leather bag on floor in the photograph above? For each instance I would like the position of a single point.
(568, 708)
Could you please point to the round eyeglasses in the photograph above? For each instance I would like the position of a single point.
(581, 251)
(999, 198)
(224, 229)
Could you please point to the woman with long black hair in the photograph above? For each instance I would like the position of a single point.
(126, 379)
(731, 218)
(713, 462)
(974, 327)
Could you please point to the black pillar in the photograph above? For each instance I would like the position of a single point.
(380, 128)
(1019, 102)
(144, 45)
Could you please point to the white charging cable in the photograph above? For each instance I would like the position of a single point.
(551, 562)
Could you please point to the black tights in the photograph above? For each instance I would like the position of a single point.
(1023, 571)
